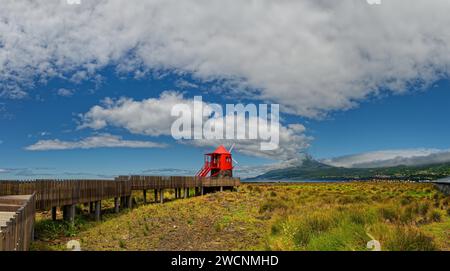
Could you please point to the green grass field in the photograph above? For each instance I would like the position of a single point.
(304, 216)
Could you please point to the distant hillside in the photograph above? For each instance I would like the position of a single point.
(314, 170)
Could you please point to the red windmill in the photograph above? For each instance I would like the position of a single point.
(219, 163)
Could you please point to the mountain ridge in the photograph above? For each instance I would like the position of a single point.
(312, 169)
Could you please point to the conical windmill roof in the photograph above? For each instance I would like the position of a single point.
(221, 150)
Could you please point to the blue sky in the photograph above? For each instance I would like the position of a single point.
(410, 121)
(84, 92)
(415, 120)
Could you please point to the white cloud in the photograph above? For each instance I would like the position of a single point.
(98, 141)
(65, 92)
(184, 84)
(148, 117)
(310, 56)
(291, 146)
(152, 117)
(388, 158)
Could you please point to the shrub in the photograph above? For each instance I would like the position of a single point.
(319, 223)
(312, 225)
(122, 244)
(346, 236)
(405, 201)
(409, 239)
(302, 237)
(376, 198)
(423, 208)
(435, 216)
(271, 205)
(436, 196)
(388, 213)
(358, 217)
(345, 200)
(407, 215)
(275, 229)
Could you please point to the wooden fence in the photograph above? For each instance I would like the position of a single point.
(444, 187)
(52, 193)
(17, 222)
(17, 212)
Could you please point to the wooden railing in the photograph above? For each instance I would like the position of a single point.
(18, 212)
(17, 222)
(443, 186)
(51, 193)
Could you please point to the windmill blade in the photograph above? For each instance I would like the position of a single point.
(235, 161)
(232, 147)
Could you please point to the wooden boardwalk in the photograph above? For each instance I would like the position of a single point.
(66, 194)
(16, 222)
(55, 193)
(443, 185)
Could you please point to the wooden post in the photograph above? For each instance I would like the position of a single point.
(69, 213)
(161, 195)
(202, 191)
(123, 202)
(98, 209)
(72, 213)
(144, 192)
(176, 193)
(65, 210)
(221, 189)
(91, 207)
(116, 205)
(186, 192)
(129, 202)
(54, 213)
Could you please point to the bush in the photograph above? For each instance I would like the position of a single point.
(302, 237)
(311, 226)
(408, 214)
(345, 237)
(376, 198)
(271, 205)
(408, 239)
(423, 208)
(358, 217)
(275, 229)
(48, 229)
(405, 201)
(388, 213)
(122, 244)
(435, 216)
(346, 200)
